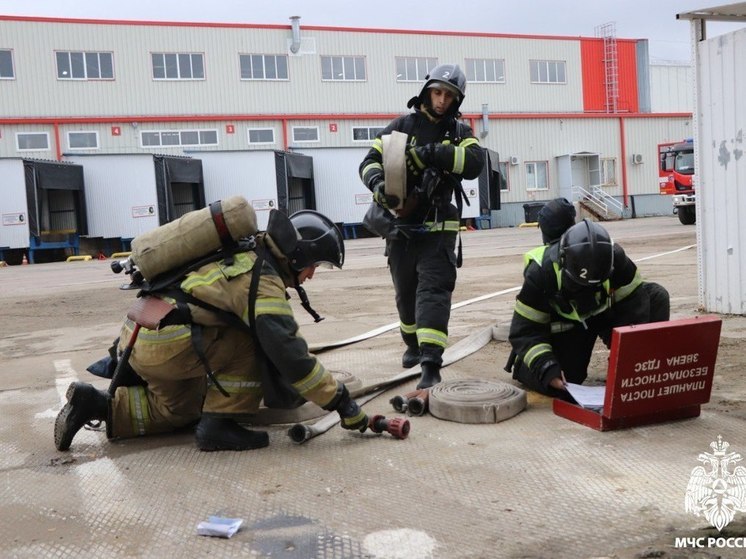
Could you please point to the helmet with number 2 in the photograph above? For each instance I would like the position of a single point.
(446, 76)
(586, 255)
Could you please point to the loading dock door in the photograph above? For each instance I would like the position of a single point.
(295, 187)
(55, 197)
(180, 187)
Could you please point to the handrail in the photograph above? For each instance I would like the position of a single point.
(598, 198)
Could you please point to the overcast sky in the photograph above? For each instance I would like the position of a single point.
(654, 20)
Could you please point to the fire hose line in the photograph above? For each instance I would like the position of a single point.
(476, 401)
(321, 347)
(300, 432)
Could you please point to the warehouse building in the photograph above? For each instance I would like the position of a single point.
(283, 114)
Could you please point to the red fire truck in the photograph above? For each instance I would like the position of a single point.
(675, 173)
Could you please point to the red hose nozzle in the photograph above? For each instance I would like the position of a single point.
(397, 427)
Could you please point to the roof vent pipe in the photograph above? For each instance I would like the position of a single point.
(295, 26)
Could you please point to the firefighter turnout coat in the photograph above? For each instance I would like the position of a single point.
(422, 258)
(176, 381)
(553, 332)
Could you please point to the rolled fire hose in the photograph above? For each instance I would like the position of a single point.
(476, 401)
(300, 433)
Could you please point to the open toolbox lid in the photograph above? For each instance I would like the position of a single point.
(657, 372)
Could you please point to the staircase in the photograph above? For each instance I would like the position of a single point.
(599, 203)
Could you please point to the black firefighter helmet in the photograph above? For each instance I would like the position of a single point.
(447, 76)
(306, 238)
(586, 256)
(555, 217)
(320, 241)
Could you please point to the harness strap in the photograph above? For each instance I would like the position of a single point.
(224, 234)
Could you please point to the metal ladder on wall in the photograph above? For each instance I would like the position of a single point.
(607, 32)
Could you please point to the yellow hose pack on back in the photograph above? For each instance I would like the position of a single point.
(193, 235)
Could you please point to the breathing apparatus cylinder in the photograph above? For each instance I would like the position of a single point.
(193, 235)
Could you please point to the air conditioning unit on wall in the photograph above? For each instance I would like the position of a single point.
(514, 160)
(637, 158)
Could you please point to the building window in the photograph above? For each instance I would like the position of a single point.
(344, 68)
(504, 175)
(29, 141)
(485, 70)
(305, 133)
(178, 66)
(6, 65)
(412, 69)
(365, 133)
(82, 140)
(264, 67)
(536, 175)
(608, 171)
(84, 65)
(261, 136)
(548, 71)
(177, 138)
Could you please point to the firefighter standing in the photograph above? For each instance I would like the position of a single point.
(175, 381)
(575, 290)
(441, 152)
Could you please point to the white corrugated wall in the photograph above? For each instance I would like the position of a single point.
(340, 194)
(721, 178)
(14, 231)
(671, 89)
(121, 199)
(250, 174)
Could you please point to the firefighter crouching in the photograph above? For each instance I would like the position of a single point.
(176, 392)
(421, 255)
(576, 288)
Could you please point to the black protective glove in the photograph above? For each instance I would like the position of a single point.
(352, 415)
(421, 157)
(381, 198)
(549, 371)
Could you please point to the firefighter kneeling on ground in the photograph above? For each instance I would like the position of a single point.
(576, 288)
(175, 391)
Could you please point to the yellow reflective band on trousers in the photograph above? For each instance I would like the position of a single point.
(311, 380)
(531, 313)
(408, 328)
(237, 384)
(139, 413)
(430, 336)
(272, 305)
(440, 226)
(165, 335)
(536, 351)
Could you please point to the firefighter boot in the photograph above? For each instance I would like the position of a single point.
(84, 404)
(411, 357)
(215, 433)
(430, 375)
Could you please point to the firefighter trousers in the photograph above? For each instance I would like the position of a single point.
(177, 391)
(423, 270)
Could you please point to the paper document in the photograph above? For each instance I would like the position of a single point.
(591, 397)
(219, 526)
